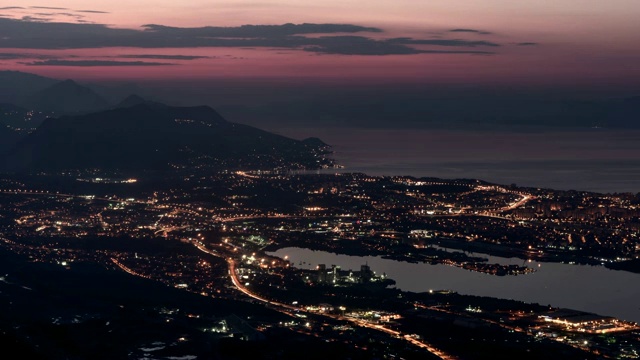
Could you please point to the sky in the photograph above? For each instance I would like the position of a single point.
(537, 44)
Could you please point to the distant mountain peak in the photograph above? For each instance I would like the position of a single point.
(68, 97)
(16, 86)
(22, 74)
(70, 85)
(315, 142)
(135, 100)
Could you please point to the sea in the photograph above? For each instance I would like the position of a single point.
(594, 159)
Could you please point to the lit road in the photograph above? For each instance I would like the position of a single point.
(518, 203)
(289, 308)
(234, 279)
(247, 175)
(525, 197)
(170, 229)
(90, 197)
(358, 322)
(254, 217)
(128, 270)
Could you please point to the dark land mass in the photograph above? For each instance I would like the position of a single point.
(629, 265)
(86, 311)
(20, 119)
(158, 138)
(134, 100)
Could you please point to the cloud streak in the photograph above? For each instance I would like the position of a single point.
(32, 33)
(17, 56)
(92, 11)
(47, 8)
(443, 42)
(473, 31)
(163, 57)
(356, 45)
(94, 63)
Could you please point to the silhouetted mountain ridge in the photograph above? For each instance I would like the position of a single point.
(149, 138)
(133, 100)
(67, 97)
(15, 86)
(315, 142)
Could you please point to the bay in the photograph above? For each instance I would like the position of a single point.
(599, 160)
(588, 288)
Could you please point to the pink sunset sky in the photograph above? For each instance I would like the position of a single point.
(504, 42)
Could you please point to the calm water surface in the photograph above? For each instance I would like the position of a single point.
(598, 160)
(588, 288)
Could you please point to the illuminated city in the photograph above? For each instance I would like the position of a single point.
(328, 180)
(212, 236)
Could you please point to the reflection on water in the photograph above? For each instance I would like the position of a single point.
(581, 287)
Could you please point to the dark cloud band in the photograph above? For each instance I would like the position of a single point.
(473, 31)
(55, 35)
(47, 8)
(164, 57)
(93, 11)
(443, 42)
(91, 63)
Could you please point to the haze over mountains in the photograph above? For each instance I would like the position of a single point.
(389, 110)
(367, 108)
(16, 86)
(86, 131)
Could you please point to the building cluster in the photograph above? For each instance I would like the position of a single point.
(336, 276)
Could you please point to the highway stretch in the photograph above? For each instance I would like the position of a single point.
(286, 308)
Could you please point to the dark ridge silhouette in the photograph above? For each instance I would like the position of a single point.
(315, 142)
(15, 86)
(133, 100)
(67, 97)
(151, 138)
